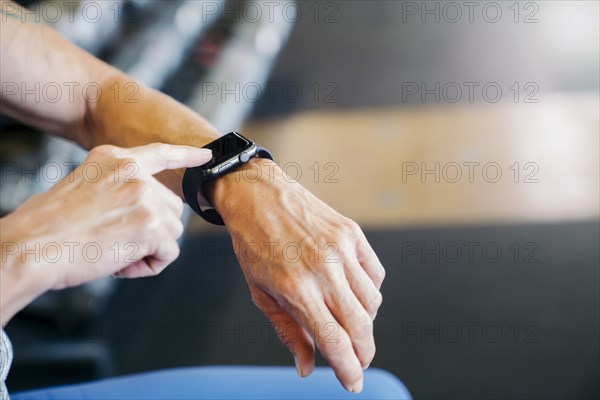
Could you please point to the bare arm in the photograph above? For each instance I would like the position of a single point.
(330, 304)
(50, 83)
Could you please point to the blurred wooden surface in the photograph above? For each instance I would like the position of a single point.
(365, 158)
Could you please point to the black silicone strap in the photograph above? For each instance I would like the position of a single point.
(194, 180)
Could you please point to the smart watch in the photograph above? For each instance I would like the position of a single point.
(228, 152)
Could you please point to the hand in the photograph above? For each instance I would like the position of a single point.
(309, 269)
(110, 215)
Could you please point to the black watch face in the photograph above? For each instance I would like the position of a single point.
(226, 147)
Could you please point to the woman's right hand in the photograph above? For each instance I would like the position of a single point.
(109, 216)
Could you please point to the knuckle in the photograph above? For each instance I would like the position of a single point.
(332, 272)
(127, 164)
(376, 301)
(178, 230)
(139, 190)
(104, 150)
(144, 214)
(373, 352)
(153, 223)
(369, 354)
(288, 285)
(364, 326)
(176, 251)
(147, 217)
(178, 205)
(292, 294)
(353, 228)
(122, 168)
(380, 275)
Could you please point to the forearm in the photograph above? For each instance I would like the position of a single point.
(50, 83)
(17, 289)
(146, 116)
(43, 76)
(21, 278)
(115, 108)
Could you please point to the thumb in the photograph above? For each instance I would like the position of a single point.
(289, 332)
(156, 157)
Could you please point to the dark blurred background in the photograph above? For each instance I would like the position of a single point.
(492, 287)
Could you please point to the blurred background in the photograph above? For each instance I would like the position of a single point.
(462, 136)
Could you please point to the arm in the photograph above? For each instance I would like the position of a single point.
(330, 303)
(126, 113)
(20, 282)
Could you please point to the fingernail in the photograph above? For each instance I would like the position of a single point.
(356, 387)
(367, 366)
(298, 367)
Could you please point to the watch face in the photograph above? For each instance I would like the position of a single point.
(224, 148)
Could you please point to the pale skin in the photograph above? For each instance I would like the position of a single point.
(330, 302)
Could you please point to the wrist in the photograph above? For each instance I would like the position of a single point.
(258, 178)
(22, 275)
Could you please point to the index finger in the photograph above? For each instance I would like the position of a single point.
(157, 157)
